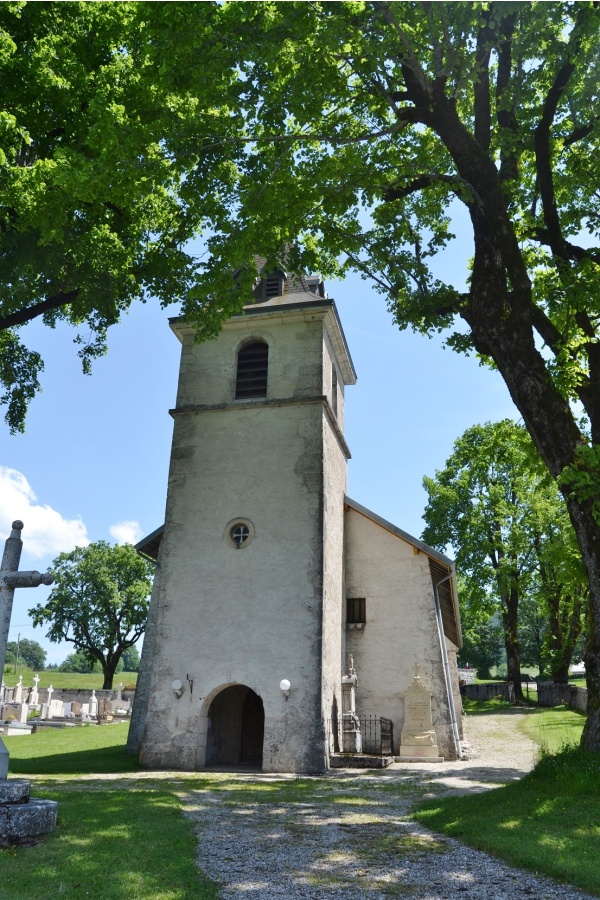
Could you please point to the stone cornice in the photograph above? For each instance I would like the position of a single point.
(193, 409)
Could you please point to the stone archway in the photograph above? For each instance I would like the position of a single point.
(236, 727)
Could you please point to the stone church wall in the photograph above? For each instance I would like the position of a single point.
(335, 486)
(250, 616)
(400, 629)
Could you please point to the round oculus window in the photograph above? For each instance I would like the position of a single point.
(239, 533)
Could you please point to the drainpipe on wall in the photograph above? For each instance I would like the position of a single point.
(438, 612)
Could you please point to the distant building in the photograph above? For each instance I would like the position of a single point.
(267, 572)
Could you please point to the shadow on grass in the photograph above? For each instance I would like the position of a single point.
(97, 761)
(110, 844)
(493, 706)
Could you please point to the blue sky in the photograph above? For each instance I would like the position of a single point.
(93, 462)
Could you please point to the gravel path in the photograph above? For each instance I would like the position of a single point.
(356, 842)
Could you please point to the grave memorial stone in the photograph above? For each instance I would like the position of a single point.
(418, 741)
(22, 820)
(34, 697)
(56, 709)
(351, 736)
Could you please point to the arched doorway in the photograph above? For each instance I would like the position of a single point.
(236, 727)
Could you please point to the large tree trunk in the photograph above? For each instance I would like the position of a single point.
(500, 311)
(557, 437)
(510, 620)
(588, 536)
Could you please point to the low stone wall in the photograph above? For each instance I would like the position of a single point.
(551, 694)
(486, 691)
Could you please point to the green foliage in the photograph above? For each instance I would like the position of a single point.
(99, 602)
(515, 548)
(77, 662)
(30, 653)
(100, 188)
(482, 635)
(131, 660)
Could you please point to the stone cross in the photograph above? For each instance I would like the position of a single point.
(33, 699)
(11, 578)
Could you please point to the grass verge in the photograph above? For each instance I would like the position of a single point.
(483, 707)
(67, 680)
(109, 843)
(554, 729)
(549, 821)
(85, 750)
(114, 839)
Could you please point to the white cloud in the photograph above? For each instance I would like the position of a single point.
(126, 532)
(46, 531)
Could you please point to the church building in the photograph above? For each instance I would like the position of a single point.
(283, 613)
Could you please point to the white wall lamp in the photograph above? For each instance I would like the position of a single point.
(177, 686)
(285, 686)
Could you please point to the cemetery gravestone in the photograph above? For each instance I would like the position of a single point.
(418, 740)
(34, 697)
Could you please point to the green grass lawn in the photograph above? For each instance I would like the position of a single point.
(549, 821)
(116, 839)
(554, 729)
(67, 680)
(126, 837)
(86, 750)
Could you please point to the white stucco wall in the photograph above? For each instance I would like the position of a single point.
(400, 630)
(264, 612)
(335, 487)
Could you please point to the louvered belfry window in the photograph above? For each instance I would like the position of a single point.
(272, 285)
(252, 369)
(356, 610)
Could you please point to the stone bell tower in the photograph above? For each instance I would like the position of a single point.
(248, 593)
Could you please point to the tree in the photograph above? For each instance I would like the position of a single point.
(533, 635)
(77, 662)
(337, 136)
(99, 602)
(507, 525)
(96, 202)
(363, 123)
(559, 591)
(482, 634)
(131, 660)
(30, 652)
